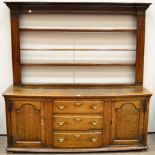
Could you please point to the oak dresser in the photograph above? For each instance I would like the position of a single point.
(82, 111)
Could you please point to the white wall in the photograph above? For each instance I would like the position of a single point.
(6, 68)
(5, 60)
(149, 66)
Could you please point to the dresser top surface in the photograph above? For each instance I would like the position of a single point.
(42, 91)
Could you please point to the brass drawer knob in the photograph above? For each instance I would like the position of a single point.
(61, 123)
(94, 107)
(93, 140)
(42, 122)
(94, 123)
(18, 110)
(61, 140)
(78, 103)
(77, 119)
(77, 136)
(61, 107)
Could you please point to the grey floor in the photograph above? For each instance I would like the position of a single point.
(150, 151)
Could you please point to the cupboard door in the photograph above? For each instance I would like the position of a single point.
(127, 122)
(28, 124)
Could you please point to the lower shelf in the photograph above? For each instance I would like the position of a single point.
(105, 149)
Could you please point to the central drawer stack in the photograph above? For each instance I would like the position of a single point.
(78, 124)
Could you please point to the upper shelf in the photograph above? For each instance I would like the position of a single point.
(76, 64)
(77, 49)
(77, 30)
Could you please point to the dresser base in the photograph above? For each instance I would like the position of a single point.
(106, 149)
(115, 121)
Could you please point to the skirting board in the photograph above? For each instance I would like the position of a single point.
(109, 149)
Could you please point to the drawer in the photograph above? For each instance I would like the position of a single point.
(78, 140)
(78, 107)
(77, 122)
